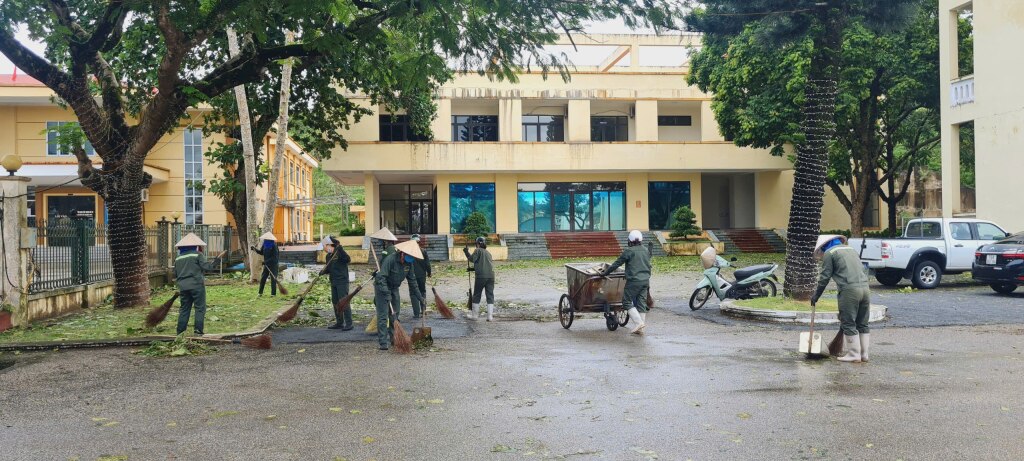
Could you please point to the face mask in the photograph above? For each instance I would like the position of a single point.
(408, 259)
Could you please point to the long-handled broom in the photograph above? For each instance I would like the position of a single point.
(290, 314)
(344, 303)
(372, 326)
(442, 307)
(159, 313)
(280, 286)
(402, 342)
(253, 342)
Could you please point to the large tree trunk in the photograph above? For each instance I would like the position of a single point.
(249, 160)
(818, 125)
(282, 137)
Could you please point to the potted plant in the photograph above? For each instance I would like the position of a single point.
(5, 317)
(474, 226)
(686, 238)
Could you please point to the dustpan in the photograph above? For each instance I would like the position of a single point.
(810, 341)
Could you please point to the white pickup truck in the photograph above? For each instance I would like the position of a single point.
(928, 248)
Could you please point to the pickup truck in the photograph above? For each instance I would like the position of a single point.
(928, 248)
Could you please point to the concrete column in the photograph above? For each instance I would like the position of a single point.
(13, 264)
(637, 216)
(443, 204)
(372, 199)
(579, 121)
(506, 203)
(510, 120)
(708, 125)
(634, 55)
(950, 169)
(647, 120)
(441, 126)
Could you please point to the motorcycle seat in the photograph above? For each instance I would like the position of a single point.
(746, 272)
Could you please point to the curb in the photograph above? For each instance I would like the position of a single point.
(878, 313)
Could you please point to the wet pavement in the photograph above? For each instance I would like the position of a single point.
(440, 328)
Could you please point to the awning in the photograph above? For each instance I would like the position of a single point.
(55, 174)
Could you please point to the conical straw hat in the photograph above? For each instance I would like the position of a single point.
(384, 234)
(324, 241)
(190, 240)
(707, 257)
(410, 248)
(268, 236)
(822, 240)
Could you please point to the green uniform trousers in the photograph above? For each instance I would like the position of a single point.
(339, 290)
(635, 295)
(483, 285)
(194, 298)
(854, 310)
(419, 298)
(383, 299)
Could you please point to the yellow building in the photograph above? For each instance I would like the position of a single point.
(616, 148)
(990, 96)
(27, 111)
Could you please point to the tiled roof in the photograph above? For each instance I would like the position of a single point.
(19, 80)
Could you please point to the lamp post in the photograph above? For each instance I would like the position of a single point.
(11, 163)
(175, 215)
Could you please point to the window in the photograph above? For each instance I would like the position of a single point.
(546, 207)
(675, 120)
(474, 128)
(193, 176)
(960, 231)
(397, 128)
(663, 198)
(466, 198)
(543, 128)
(407, 208)
(31, 197)
(53, 146)
(609, 129)
(988, 231)
(924, 229)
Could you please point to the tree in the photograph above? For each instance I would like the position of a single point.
(817, 26)
(476, 225)
(684, 222)
(282, 136)
(130, 82)
(247, 234)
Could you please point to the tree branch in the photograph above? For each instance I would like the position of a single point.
(837, 189)
(34, 65)
(108, 29)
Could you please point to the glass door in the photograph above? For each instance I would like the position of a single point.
(562, 211)
(421, 217)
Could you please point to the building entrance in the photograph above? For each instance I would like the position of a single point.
(728, 201)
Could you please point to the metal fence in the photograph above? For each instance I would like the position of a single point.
(70, 252)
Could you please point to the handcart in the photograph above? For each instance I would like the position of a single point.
(589, 292)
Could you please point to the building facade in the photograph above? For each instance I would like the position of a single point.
(983, 91)
(177, 164)
(618, 147)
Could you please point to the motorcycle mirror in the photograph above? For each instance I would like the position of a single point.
(733, 259)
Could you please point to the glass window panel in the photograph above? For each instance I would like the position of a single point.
(561, 212)
(960, 231)
(663, 199)
(617, 210)
(542, 205)
(466, 198)
(421, 191)
(581, 211)
(542, 133)
(988, 231)
(526, 212)
(394, 191)
(600, 217)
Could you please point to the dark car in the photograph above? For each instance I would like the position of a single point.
(1001, 264)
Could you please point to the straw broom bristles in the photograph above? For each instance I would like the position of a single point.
(344, 302)
(403, 344)
(442, 308)
(159, 313)
(280, 286)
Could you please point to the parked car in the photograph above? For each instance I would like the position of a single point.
(928, 249)
(1001, 264)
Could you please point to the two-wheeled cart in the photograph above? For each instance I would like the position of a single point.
(590, 292)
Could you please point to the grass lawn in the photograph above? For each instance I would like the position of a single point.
(661, 264)
(777, 303)
(231, 305)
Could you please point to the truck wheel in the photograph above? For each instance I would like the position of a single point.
(889, 279)
(1004, 288)
(927, 275)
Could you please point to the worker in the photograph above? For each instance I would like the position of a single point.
(396, 267)
(188, 273)
(422, 268)
(387, 241)
(271, 259)
(638, 280)
(337, 270)
(483, 265)
(841, 263)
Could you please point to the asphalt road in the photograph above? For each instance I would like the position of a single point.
(690, 389)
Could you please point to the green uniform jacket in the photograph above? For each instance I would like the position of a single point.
(392, 272)
(422, 267)
(483, 265)
(337, 268)
(188, 271)
(637, 261)
(842, 264)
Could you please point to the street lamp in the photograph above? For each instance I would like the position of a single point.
(175, 214)
(11, 163)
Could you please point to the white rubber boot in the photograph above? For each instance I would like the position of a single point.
(475, 312)
(852, 349)
(634, 316)
(490, 312)
(865, 346)
(643, 317)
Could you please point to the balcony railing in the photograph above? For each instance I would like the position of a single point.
(961, 91)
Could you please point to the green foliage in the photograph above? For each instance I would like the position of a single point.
(357, 231)
(476, 225)
(335, 217)
(181, 346)
(684, 222)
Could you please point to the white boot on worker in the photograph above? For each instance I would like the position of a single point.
(490, 312)
(852, 349)
(865, 345)
(634, 316)
(475, 312)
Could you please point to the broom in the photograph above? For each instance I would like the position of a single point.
(252, 342)
(290, 314)
(836, 346)
(650, 299)
(402, 342)
(280, 286)
(442, 308)
(344, 302)
(372, 326)
(159, 313)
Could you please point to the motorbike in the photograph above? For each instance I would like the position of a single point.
(749, 282)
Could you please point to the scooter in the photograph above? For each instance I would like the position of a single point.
(750, 282)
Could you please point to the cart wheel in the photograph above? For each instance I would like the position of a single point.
(611, 322)
(622, 316)
(565, 311)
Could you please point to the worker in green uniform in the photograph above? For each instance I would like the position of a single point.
(638, 280)
(188, 273)
(271, 261)
(337, 271)
(387, 241)
(396, 267)
(483, 265)
(422, 268)
(841, 263)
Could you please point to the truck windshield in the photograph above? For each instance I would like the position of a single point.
(924, 229)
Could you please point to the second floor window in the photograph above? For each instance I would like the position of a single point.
(473, 128)
(397, 128)
(54, 147)
(609, 129)
(543, 128)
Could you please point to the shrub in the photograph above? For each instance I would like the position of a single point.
(684, 222)
(476, 225)
(353, 232)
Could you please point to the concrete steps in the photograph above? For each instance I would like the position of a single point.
(750, 240)
(527, 246)
(582, 244)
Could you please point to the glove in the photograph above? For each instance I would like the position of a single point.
(817, 295)
(374, 273)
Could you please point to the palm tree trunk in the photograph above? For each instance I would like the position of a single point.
(127, 243)
(249, 160)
